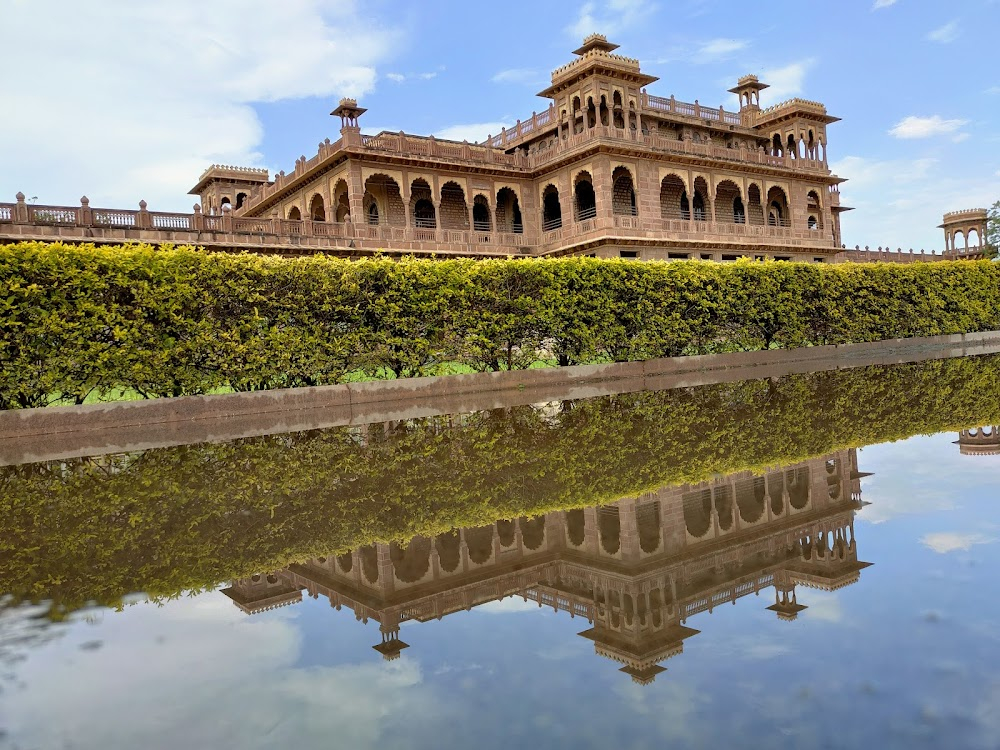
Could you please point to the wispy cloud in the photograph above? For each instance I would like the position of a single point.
(609, 17)
(925, 127)
(518, 75)
(945, 34)
(785, 81)
(719, 49)
(949, 541)
(883, 4)
(473, 132)
(403, 77)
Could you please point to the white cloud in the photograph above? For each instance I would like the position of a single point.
(609, 17)
(784, 82)
(944, 542)
(945, 34)
(517, 75)
(133, 100)
(883, 4)
(719, 49)
(199, 673)
(401, 77)
(823, 605)
(925, 127)
(473, 132)
(993, 90)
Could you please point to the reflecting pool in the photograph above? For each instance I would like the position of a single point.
(807, 561)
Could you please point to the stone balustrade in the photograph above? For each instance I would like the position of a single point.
(230, 231)
(880, 255)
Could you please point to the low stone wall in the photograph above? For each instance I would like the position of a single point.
(63, 432)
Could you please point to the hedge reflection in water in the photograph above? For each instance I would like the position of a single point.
(167, 521)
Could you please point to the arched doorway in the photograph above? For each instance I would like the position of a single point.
(509, 212)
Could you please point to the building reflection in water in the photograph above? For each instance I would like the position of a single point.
(637, 570)
(979, 441)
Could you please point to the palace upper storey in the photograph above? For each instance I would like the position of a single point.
(605, 169)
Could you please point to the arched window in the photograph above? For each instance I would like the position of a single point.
(240, 199)
(585, 202)
(591, 113)
(699, 207)
(812, 222)
(618, 111)
(294, 214)
(776, 149)
(685, 206)
(623, 195)
(551, 210)
(373, 214)
(793, 149)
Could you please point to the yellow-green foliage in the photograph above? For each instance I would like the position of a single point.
(85, 321)
(168, 520)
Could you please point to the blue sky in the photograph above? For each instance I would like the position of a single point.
(125, 100)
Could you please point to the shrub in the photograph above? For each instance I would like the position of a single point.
(85, 321)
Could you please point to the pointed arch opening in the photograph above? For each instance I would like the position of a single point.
(449, 550)
(617, 110)
(697, 512)
(481, 219)
(673, 196)
(584, 198)
(383, 192)
(755, 209)
(422, 205)
(576, 527)
(777, 208)
(294, 214)
(699, 203)
(508, 212)
(317, 209)
(609, 526)
(532, 531)
(623, 193)
(729, 203)
(551, 209)
(341, 200)
(454, 209)
(411, 563)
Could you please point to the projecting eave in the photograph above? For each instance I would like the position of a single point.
(596, 68)
(841, 209)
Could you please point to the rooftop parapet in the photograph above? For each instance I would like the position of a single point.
(965, 214)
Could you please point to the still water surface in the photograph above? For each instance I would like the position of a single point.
(779, 575)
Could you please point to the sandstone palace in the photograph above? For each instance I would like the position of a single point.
(606, 170)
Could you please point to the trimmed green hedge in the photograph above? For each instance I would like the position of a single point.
(85, 321)
(169, 520)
